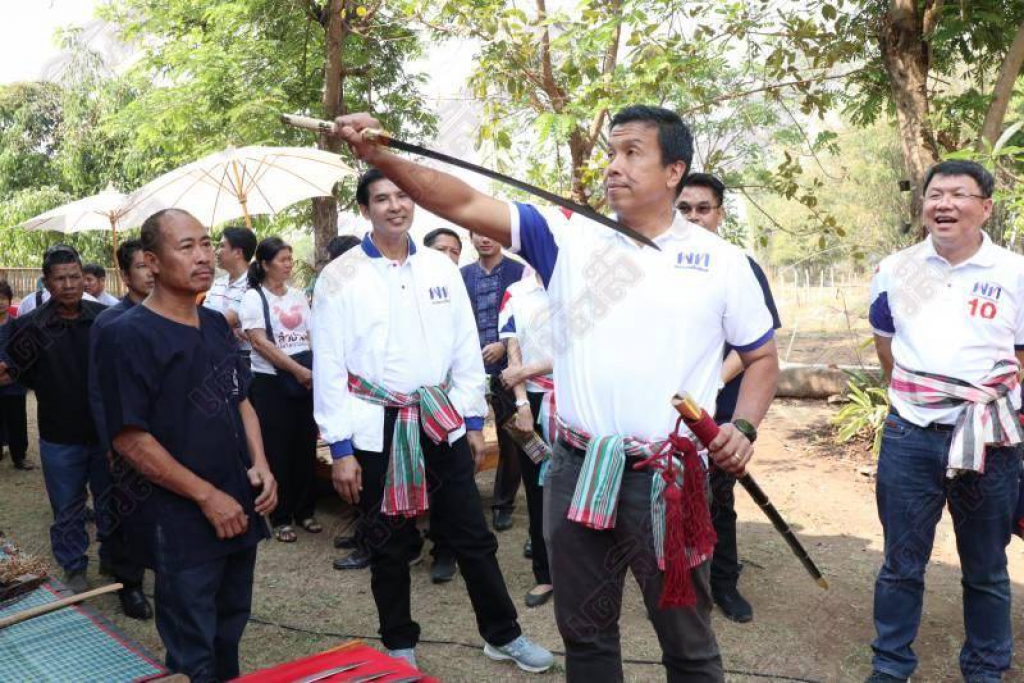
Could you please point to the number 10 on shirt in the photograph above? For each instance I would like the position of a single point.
(986, 309)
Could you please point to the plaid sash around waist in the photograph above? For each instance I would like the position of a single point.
(988, 416)
(405, 488)
(595, 501)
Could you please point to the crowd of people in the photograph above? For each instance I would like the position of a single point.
(194, 427)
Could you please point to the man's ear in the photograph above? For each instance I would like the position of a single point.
(363, 211)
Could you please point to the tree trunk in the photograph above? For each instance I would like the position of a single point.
(1002, 92)
(906, 56)
(325, 209)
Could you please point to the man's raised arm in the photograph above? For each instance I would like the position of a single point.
(439, 193)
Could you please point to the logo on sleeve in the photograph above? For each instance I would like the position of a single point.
(439, 295)
(694, 260)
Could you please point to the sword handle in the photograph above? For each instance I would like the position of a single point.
(375, 135)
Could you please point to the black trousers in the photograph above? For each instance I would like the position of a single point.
(289, 440)
(14, 426)
(126, 487)
(456, 518)
(201, 613)
(725, 564)
(507, 476)
(535, 504)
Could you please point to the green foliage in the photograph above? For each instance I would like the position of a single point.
(864, 416)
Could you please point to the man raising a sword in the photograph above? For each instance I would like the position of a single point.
(632, 326)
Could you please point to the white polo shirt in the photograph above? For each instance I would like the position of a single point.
(632, 326)
(956, 321)
(226, 295)
(403, 326)
(526, 316)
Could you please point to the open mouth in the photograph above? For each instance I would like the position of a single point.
(945, 220)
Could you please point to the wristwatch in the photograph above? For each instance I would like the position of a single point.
(746, 429)
(522, 403)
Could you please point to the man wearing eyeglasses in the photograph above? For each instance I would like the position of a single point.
(701, 201)
(948, 318)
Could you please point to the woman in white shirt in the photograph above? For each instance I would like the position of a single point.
(276, 319)
(525, 325)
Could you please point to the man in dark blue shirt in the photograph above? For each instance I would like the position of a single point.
(174, 390)
(486, 281)
(121, 563)
(701, 201)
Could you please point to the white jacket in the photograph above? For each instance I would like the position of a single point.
(350, 325)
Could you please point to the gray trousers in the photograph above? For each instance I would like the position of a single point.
(588, 569)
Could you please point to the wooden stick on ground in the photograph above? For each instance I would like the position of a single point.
(54, 606)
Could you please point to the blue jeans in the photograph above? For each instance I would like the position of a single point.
(201, 613)
(67, 470)
(911, 491)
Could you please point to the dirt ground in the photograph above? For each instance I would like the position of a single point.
(799, 632)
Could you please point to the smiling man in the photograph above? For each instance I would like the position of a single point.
(631, 326)
(175, 405)
(400, 399)
(948, 317)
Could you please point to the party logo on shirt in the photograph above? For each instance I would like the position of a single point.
(694, 260)
(987, 290)
(439, 295)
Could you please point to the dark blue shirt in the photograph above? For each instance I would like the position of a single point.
(727, 397)
(486, 291)
(183, 385)
(15, 389)
(103, 320)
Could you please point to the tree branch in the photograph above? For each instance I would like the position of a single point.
(771, 87)
(1003, 91)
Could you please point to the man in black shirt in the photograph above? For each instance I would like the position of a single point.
(174, 390)
(701, 201)
(48, 351)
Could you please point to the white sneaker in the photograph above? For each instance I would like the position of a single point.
(527, 655)
(408, 654)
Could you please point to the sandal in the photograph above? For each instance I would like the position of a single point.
(311, 525)
(285, 534)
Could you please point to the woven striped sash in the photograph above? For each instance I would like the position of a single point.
(405, 488)
(988, 418)
(595, 501)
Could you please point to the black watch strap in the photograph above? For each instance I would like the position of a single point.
(746, 429)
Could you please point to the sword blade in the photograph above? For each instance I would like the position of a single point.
(382, 138)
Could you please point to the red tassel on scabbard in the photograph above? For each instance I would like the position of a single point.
(687, 519)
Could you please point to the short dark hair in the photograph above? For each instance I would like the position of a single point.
(339, 244)
(707, 180)
(96, 270)
(241, 238)
(674, 136)
(985, 181)
(59, 255)
(126, 252)
(150, 232)
(6, 291)
(431, 237)
(363, 187)
(267, 250)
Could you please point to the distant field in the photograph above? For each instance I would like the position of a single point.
(823, 324)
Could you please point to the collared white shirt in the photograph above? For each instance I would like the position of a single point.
(632, 326)
(956, 321)
(107, 299)
(226, 295)
(366, 324)
(526, 316)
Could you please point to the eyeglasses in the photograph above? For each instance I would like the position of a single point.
(699, 209)
(955, 197)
